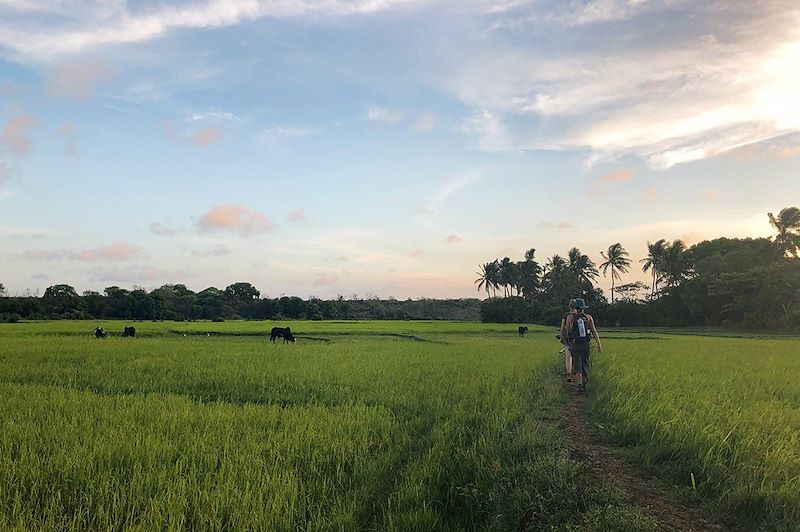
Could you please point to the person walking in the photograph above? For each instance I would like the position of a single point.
(565, 342)
(580, 329)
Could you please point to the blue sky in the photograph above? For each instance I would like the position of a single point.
(382, 146)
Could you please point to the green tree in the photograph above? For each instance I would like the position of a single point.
(582, 266)
(2, 290)
(615, 259)
(677, 264)
(787, 223)
(242, 292)
(653, 261)
(60, 300)
(506, 275)
(488, 277)
(529, 273)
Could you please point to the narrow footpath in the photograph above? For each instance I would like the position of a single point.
(639, 489)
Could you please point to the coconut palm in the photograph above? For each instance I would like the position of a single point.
(616, 259)
(653, 261)
(529, 273)
(488, 277)
(506, 276)
(676, 265)
(787, 223)
(581, 266)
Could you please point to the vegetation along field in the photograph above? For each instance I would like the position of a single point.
(380, 425)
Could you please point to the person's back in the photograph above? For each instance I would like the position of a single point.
(580, 329)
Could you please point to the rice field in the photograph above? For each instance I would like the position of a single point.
(718, 418)
(359, 425)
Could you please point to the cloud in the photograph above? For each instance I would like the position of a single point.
(454, 239)
(722, 80)
(217, 251)
(557, 225)
(789, 152)
(207, 136)
(416, 253)
(235, 218)
(139, 274)
(298, 215)
(157, 228)
(447, 188)
(280, 136)
(215, 115)
(326, 279)
(77, 80)
(383, 115)
(13, 135)
(114, 252)
(425, 122)
(53, 29)
(616, 176)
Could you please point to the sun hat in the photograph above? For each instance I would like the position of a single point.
(580, 303)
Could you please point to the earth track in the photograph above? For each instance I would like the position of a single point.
(642, 491)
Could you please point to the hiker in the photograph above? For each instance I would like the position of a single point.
(565, 344)
(579, 328)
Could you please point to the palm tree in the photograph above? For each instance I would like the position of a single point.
(676, 265)
(787, 223)
(617, 261)
(487, 277)
(506, 275)
(653, 261)
(582, 266)
(529, 272)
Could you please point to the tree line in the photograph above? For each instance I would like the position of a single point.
(239, 300)
(751, 282)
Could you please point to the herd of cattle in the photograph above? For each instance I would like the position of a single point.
(277, 332)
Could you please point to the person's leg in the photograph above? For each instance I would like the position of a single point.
(585, 363)
(575, 351)
(568, 360)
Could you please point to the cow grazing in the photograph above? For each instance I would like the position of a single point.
(99, 332)
(280, 332)
(129, 332)
(522, 330)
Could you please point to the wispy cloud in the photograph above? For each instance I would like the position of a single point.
(326, 279)
(298, 215)
(14, 134)
(448, 187)
(235, 218)
(616, 176)
(114, 252)
(454, 239)
(218, 250)
(557, 225)
(207, 136)
(74, 27)
(157, 228)
(426, 122)
(719, 83)
(76, 80)
(383, 115)
(140, 274)
(281, 136)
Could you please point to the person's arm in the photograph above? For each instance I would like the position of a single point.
(594, 333)
(565, 327)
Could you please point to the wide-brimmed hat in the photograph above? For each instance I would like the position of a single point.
(580, 303)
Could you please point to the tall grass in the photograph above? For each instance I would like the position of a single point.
(723, 411)
(447, 426)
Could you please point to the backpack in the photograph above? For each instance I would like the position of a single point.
(579, 332)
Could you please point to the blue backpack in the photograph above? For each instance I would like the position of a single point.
(580, 333)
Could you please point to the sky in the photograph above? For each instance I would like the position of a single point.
(382, 147)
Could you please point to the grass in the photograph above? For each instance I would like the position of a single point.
(723, 411)
(387, 426)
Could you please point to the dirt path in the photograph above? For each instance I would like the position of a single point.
(642, 491)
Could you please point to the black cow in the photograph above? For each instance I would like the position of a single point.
(129, 332)
(99, 332)
(522, 330)
(280, 332)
